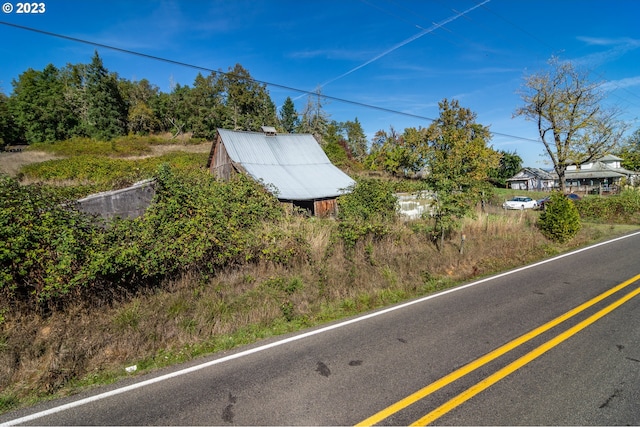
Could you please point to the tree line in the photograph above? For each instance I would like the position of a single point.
(87, 100)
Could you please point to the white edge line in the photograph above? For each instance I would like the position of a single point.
(294, 338)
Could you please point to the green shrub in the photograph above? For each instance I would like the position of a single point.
(42, 243)
(366, 210)
(623, 207)
(560, 221)
(369, 199)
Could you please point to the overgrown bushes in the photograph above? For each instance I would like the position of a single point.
(194, 223)
(105, 172)
(366, 210)
(43, 245)
(48, 250)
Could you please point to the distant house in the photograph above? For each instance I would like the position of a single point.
(292, 166)
(604, 175)
(532, 179)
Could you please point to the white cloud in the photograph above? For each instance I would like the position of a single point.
(604, 41)
(615, 48)
(622, 83)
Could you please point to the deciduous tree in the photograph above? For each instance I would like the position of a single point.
(140, 97)
(398, 154)
(510, 164)
(572, 123)
(459, 161)
(39, 108)
(314, 120)
(630, 152)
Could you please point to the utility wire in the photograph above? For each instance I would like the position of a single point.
(280, 86)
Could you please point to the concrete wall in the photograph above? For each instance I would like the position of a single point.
(130, 202)
(414, 205)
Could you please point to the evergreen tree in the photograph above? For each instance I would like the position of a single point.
(288, 116)
(356, 139)
(73, 78)
(247, 103)
(203, 105)
(106, 109)
(7, 126)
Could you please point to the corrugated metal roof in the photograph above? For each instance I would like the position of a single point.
(294, 164)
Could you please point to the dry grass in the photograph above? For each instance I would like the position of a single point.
(11, 163)
(161, 149)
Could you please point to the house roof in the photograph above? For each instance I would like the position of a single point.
(609, 158)
(294, 164)
(599, 170)
(526, 173)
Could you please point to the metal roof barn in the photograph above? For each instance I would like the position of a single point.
(293, 166)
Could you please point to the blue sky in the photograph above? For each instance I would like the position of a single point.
(400, 55)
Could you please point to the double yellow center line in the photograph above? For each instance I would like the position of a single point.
(502, 373)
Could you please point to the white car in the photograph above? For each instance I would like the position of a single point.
(520, 202)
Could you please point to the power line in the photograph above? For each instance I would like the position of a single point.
(197, 67)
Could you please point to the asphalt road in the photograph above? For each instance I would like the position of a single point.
(555, 343)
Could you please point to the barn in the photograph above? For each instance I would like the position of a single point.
(291, 166)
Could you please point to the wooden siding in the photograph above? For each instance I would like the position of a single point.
(221, 165)
(325, 208)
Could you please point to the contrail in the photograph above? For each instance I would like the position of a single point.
(434, 27)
